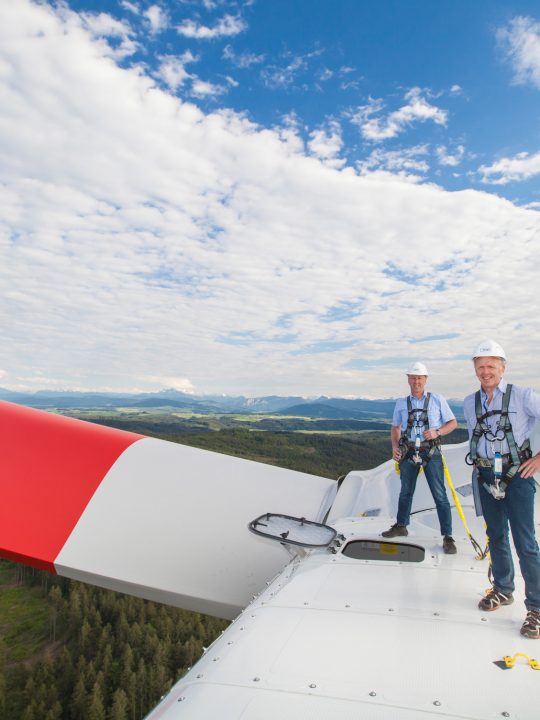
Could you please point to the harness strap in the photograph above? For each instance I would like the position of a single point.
(417, 417)
(505, 426)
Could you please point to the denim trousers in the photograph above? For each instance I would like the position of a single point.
(434, 472)
(516, 510)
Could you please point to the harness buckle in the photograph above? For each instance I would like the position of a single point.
(496, 489)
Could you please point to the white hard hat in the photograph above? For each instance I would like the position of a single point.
(416, 368)
(489, 348)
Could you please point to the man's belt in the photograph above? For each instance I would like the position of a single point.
(424, 445)
(488, 462)
(506, 459)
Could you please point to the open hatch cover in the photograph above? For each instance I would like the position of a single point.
(293, 530)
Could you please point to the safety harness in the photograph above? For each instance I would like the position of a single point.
(417, 419)
(503, 431)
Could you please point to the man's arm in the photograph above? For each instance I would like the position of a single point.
(434, 433)
(395, 434)
(446, 418)
(530, 467)
(532, 407)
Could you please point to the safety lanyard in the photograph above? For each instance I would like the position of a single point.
(496, 435)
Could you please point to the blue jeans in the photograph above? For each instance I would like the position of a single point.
(517, 510)
(434, 473)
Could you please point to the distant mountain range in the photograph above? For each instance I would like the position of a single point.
(322, 407)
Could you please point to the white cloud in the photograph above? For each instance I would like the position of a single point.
(141, 237)
(181, 384)
(408, 163)
(325, 74)
(417, 109)
(203, 88)
(157, 17)
(172, 70)
(244, 60)
(118, 34)
(227, 26)
(280, 77)
(326, 144)
(520, 167)
(450, 159)
(130, 7)
(520, 40)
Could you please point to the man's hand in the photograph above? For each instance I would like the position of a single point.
(396, 454)
(431, 434)
(530, 466)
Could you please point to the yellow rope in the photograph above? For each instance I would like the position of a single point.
(481, 554)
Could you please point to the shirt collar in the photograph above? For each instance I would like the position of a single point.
(413, 398)
(500, 389)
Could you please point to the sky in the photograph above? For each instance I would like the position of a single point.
(265, 196)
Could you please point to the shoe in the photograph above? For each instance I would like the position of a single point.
(448, 545)
(395, 530)
(531, 626)
(494, 599)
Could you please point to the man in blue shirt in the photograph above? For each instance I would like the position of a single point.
(500, 418)
(419, 422)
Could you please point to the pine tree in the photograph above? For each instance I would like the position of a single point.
(79, 700)
(96, 709)
(120, 706)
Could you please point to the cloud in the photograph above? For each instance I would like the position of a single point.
(137, 232)
(242, 61)
(514, 169)
(117, 34)
(449, 159)
(326, 144)
(417, 109)
(203, 88)
(520, 41)
(130, 7)
(168, 382)
(285, 76)
(325, 74)
(158, 19)
(281, 77)
(172, 70)
(408, 163)
(227, 26)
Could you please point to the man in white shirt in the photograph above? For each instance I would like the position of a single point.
(500, 418)
(419, 421)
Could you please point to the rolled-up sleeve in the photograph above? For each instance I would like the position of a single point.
(398, 418)
(531, 403)
(446, 412)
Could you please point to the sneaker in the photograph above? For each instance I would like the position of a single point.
(395, 530)
(531, 626)
(448, 545)
(494, 599)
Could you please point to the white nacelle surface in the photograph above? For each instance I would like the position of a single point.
(337, 637)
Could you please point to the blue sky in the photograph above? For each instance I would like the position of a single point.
(266, 197)
(356, 70)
